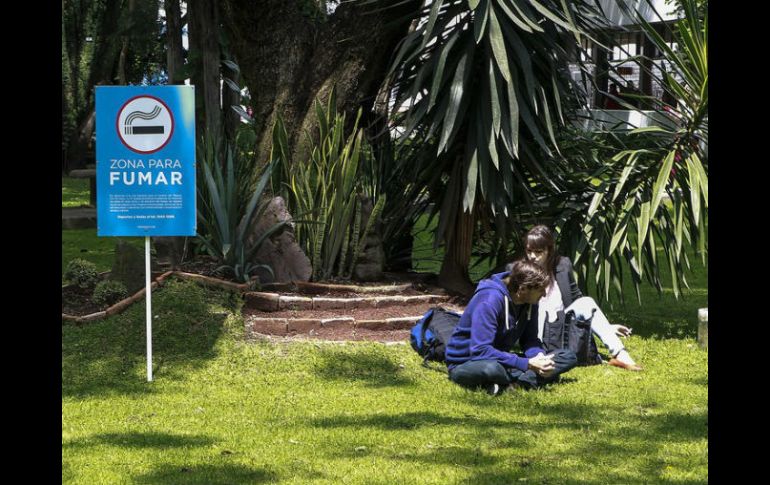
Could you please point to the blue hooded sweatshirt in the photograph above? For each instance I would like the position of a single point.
(481, 333)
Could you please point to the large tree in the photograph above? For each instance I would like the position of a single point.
(104, 42)
(292, 52)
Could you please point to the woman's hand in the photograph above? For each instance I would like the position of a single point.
(621, 330)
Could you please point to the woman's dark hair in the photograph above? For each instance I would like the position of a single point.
(541, 237)
(528, 275)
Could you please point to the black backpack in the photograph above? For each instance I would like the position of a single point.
(432, 332)
(568, 332)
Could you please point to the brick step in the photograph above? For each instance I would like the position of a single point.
(273, 302)
(314, 287)
(282, 326)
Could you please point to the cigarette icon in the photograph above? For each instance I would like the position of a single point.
(129, 129)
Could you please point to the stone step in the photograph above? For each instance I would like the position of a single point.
(313, 287)
(273, 302)
(282, 326)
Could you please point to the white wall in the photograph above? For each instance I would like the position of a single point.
(616, 15)
(621, 119)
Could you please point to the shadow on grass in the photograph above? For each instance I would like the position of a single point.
(67, 475)
(207, 475)
(109, 356)
(359, 365)
(395, 422)
(141, 440)
(454, 455)
(602, 476)
(640, 439)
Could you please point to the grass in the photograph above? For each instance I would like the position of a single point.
(74, 192)
(84, 243)
(223, 410)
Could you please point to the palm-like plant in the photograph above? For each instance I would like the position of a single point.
(653, 191)
(329, 188)
(487, 79)
(227, 219)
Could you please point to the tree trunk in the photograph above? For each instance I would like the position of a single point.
(288, 59)
(458, 237)
(174, 48)
(230, 97)
(102, 72)
(204, 26)
(122, 80)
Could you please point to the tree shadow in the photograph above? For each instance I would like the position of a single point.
(207, 475)
(109, 356)
(393, 422)
(356, 364)
(640, 437)
(141, 440)
(454, 455)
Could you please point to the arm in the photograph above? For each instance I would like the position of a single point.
(620, 330)
(483, 330)
(573, 286)
(530, 343)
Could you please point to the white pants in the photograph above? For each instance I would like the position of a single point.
(584, 308)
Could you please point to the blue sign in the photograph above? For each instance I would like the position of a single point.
(145, 161)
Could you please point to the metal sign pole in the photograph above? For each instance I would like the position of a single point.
(148, 293)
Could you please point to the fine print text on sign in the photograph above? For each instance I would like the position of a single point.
(145, 161)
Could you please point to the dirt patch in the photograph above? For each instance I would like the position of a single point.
(77, 301)
(202, 265)
(346, 332)
(357, 313)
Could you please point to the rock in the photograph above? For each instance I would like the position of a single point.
(280, 251)
(169, 251)
(703, 328)
(371, 261)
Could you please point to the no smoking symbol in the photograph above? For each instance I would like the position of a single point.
(145, 124)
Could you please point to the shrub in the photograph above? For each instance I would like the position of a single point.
(227, 219)
(81, 273)
(109, 292)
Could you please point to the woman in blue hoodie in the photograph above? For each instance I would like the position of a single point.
(502, 312)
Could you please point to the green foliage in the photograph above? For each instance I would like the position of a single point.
(329, 188)
(108, 292)
(486, 79)
(81, 273)
(652, 183)
(227, 217)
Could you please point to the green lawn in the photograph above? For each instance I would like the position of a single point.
(223, 410)
(74, 192)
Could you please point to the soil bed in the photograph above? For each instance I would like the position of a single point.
(357, 313)
(77, 301)
(345, 332)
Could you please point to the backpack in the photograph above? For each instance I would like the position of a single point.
(568, 332)
(432, 332)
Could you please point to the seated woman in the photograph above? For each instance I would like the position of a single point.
(563, 296)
